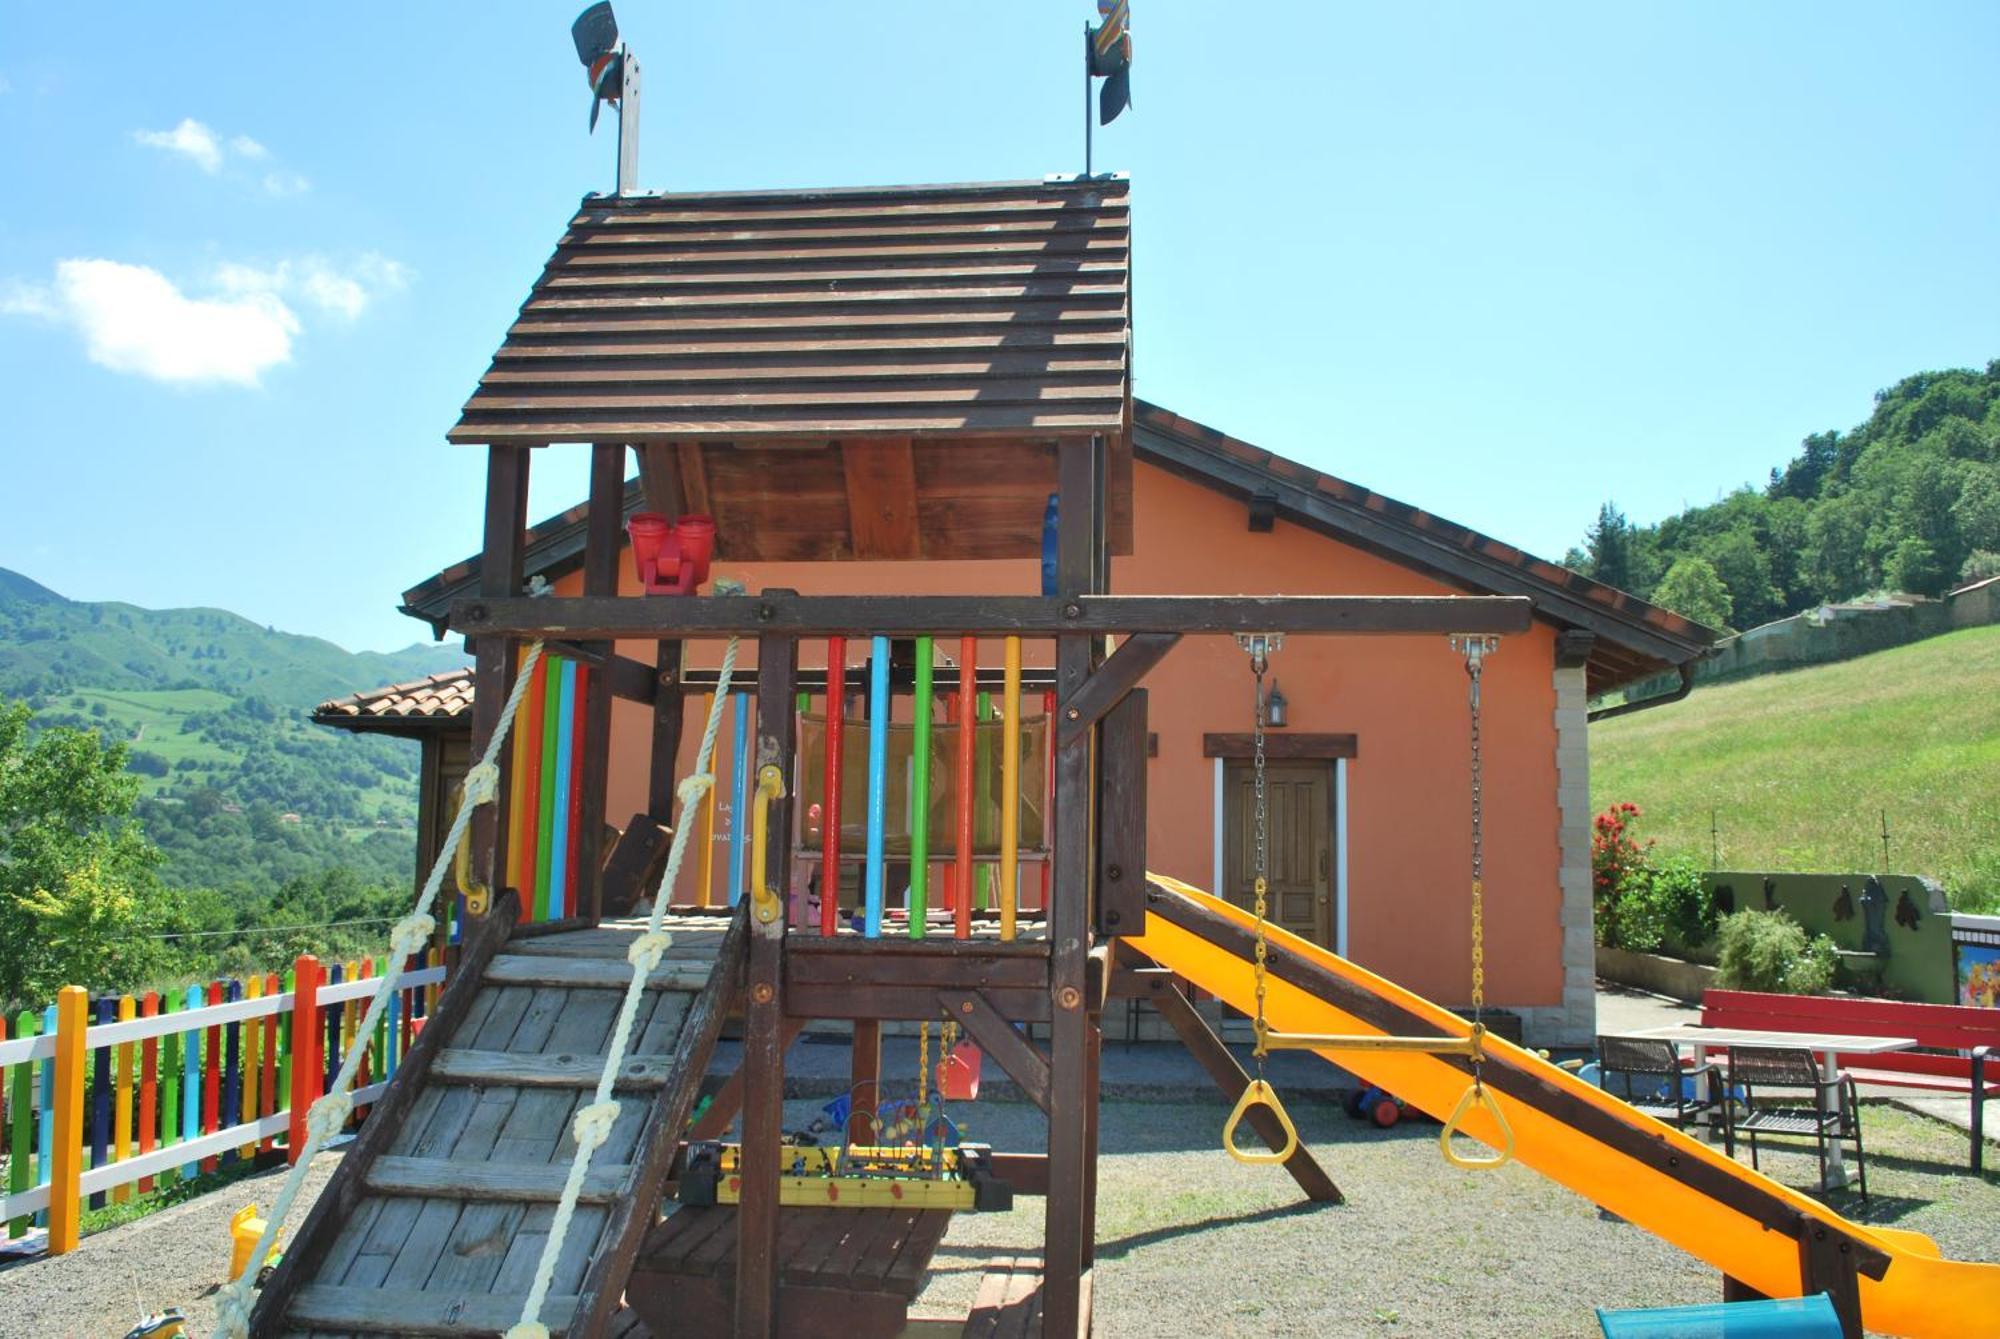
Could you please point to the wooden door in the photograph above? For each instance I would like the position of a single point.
(1299, 841)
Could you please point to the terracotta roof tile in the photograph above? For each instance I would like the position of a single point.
(435, 697)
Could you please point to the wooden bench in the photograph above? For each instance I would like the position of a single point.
(1938, 1027)
(843, 1273)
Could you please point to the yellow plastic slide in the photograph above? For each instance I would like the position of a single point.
(1674, 1186)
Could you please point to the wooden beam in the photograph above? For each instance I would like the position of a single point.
(494, 665)
(1116, 677)
(1121, 817)
(636, 863)
(989, 615)
(669, 715)
(565, 973)
(764, 1016)
(659, 1141)
(997, 1037)
(1281, 745)
(864, 1081)
(694, 481)
(508, 1182)
(526, 1070)
(727, 1102)
(336, 1203)
(1229, 1077)
(881, 476)
(660, 477)
(600, 578)
(413, 1311)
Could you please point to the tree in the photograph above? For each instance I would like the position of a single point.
(1746, 569)
(1913, 566)
(1981, 565)
(1610, 547)
(1692, 589)
(1836, 548)
(1977, 509)
(78, 894)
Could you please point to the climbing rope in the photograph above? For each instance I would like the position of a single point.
(328, 1116)
(591, 1125)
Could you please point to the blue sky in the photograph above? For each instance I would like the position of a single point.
(1498, 261)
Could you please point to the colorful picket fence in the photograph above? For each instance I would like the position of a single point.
(104, 1099)
(545, 796)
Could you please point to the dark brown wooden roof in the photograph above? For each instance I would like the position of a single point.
(995, 310)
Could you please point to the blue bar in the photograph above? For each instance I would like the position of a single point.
(191, 1042)
(739, 824)
(559, 893)
(878, 778)
(44, 1163)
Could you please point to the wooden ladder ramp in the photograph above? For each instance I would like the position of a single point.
(438, 1214)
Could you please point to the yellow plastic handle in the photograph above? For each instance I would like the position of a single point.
(1259, 1093)
(1477, 1096)
(477, 895)
(765, 903)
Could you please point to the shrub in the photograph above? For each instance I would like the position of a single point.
(1768, 950)
(1685, 906)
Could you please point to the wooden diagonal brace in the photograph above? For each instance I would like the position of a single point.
(1115, 678)
(997, 1037)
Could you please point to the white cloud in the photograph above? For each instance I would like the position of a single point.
(191, 139)
(340, 290)
(245, 147)
(134, 319)
(282, 184)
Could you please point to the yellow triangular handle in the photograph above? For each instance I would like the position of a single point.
(1259, 1093)
(1477, 1096)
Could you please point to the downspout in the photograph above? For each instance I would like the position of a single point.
(1645, 703)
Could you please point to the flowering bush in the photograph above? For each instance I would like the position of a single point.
(1643, 903)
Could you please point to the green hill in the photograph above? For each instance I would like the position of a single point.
(240, 790)
(1799, 769)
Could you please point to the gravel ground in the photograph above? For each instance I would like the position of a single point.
(177, 1257)
(1190, 1243)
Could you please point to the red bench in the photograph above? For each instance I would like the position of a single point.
(1940, 1027)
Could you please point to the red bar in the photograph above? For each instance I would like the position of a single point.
(528, 755)
(829, 822)
(305, 1050)
(572, 884)
(211, 1078)
(149, 1080)
(968, 726)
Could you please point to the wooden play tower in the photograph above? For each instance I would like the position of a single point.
(899, 374)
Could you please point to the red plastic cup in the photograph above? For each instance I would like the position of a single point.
(697, 538)
(649, 530)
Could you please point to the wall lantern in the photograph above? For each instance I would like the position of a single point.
(1274, 707)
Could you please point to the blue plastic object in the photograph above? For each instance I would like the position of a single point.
(1780, 1318)
(1049, 547)
(878, 782)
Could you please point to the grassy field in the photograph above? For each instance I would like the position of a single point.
(1800, 768)
(151, 720)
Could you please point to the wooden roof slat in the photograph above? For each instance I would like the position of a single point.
(608, 253)
(950, 274)
(1071, 343)
(693, 320)
(993, 392)
(1063, 229)
(797, 368)
(952, 202)
(993, 423)
(980, 298)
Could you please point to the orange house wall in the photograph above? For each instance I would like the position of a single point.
(1409, 850)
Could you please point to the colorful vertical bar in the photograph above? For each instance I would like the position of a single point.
(836, 742)
(1010, 789)
(968, 754)
(878, 784)
(739, 817)
(920, 791)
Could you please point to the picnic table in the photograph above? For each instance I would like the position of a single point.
(1828, 1045)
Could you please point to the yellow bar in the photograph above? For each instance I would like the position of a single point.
(516, 798)
(66, 1160)
(766, 902)
(253, 1031)
(1010, 789)
(707, 824)
(1335, 1041)
(121, 1102)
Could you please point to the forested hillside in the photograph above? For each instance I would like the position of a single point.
(1908, 501)
(240, 792)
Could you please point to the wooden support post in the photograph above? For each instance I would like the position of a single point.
(1121, 817)
(493, 674)
(764, 1015)
(660, 475)
(1827, 1264)
(864, 1081)
(600, 577)
(1228, 1076)
(1080, 484)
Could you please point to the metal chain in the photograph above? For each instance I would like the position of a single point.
(1261, 1027)
(1475, 649)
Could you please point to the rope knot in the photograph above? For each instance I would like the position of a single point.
(527, 1329)
(328, 1116)
(411, 934)
(648, 949)
(592, 1125)
(692, 787)
(232, 1307)
(482, 783)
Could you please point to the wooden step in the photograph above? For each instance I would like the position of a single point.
(513, 1182)
(1009, 1301)
(538, 969)
(494, 1068)
(414, 1311)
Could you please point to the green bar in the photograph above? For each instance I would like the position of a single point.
(982, 802)
(285, 1045)
(802, 703)
(27, 1025)
(920, 795)
(545, 821)
(170, 1085)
